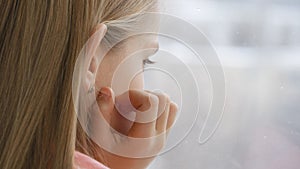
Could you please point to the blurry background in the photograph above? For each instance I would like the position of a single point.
(258, 44)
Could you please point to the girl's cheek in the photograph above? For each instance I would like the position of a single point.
(137, 82)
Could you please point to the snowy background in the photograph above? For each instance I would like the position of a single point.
(258, 44)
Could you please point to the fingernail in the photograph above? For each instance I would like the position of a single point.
(105, 91)
(129, 115)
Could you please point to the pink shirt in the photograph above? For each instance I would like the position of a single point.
(83, 161)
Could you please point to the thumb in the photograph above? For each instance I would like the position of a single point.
(106, 103)
(105, 100)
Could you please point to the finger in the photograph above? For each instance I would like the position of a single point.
(144, 104)
(133, 100)
(172, 115)
(120, 123)
(142, 130)
(163, 99)
(162, 120)
(145, 123)
(105, 102)
(163, 111)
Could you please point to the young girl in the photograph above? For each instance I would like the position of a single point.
(40, 43)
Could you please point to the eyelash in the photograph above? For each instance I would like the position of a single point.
(148, 62)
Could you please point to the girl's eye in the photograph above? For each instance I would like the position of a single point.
(147, 62)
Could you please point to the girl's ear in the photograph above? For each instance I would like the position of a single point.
(92, 44)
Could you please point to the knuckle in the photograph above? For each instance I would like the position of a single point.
(153, 99)
(163, 97)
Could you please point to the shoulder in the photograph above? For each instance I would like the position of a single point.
(83, 161)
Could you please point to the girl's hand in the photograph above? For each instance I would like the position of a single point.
(141, 121)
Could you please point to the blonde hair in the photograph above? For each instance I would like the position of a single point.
(40, 42)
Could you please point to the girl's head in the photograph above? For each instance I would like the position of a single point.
(40, 42)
